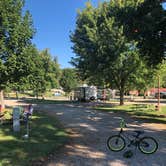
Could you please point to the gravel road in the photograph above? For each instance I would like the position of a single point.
(89, 130)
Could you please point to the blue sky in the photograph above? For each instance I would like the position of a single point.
(53, 20)
(164, 5)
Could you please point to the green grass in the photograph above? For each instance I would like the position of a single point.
(29, 93)
(41, 101)
(142, 111)
(46, 137)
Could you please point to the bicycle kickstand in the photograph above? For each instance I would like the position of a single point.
(135, 150)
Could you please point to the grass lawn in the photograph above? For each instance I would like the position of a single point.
(41, 101)
(142, 111)
(46, 137)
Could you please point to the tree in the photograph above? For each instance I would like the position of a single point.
(142, 80)
(146, 25)
(16, 32)
(45, 74)
(69, 79)
(160, 71)
(21, 70)
(51, 69)
(101, 47)
(41, 72)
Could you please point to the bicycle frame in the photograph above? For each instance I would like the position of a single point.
(119, 141)
(133, 141)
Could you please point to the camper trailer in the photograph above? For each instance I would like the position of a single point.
(86, 93)
(104, 94)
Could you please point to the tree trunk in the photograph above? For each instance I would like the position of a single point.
(17, 95)
(37, 95)
(2, 103)
(121, 97)
(144, 94)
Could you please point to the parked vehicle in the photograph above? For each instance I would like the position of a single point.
(162, 95)
(103, 94)
(85, 93)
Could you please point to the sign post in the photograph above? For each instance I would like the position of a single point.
(27, 127)
(158, 93)
(158, 103)
(27, 115)
(16, 119)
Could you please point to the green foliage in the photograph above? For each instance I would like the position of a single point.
(102, 50)
(119, 43)
(46, 137)
(143, 79)
(160, 72)
(142, 111)
(51, 69)
(45, 73)
(69, 79)
(146, 24)
(16, 32)
(37, 72)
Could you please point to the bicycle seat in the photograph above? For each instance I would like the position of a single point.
(138, 132)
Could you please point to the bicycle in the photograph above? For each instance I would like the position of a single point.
(145, 144)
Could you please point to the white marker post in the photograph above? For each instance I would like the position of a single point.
(26, 116)
(16, 119)
(27, 128)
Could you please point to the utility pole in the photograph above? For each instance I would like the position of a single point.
(158, 104)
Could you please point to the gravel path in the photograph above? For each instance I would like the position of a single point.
(89, 130)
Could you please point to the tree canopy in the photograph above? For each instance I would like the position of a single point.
(110, 46)
(16, 32)
(69, 79)
(148, 26)
(22, 66)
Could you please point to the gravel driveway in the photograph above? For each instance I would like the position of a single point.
(89, 130)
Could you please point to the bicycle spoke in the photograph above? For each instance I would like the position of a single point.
(116, 143)
(148, 145)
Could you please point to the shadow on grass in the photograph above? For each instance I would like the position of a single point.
(43, 101)
(89, 132)
(46, 137)
(146, 117)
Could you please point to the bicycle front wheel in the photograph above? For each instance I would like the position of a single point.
(148, 145)
(116, 143)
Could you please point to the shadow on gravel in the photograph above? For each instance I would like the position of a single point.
(89, 130)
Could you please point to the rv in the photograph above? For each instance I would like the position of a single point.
(86, 93)
(104, 94)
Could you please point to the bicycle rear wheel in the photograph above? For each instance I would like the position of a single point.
(148, 145)
(116, 143)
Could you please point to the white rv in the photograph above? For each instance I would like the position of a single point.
(85, 93)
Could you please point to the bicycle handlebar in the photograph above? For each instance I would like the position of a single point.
(122, 123)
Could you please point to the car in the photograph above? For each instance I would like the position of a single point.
(162, 95)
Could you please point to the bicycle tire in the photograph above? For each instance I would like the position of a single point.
(144, 143)
(117, 147)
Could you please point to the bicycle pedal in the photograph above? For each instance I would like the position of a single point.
(128, 154)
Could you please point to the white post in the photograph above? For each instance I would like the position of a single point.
(16, 119)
